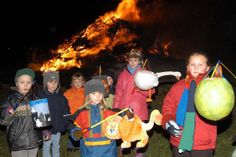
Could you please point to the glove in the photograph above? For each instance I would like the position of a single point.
(76, 134)
(173, 128)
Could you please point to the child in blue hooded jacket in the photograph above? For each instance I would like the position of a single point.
(59, 112)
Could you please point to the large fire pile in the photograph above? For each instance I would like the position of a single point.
(105, 33)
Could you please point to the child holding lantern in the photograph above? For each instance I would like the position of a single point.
(191, 134)
(59, 109)
(127, 94)
(94, 143)
(15, 114)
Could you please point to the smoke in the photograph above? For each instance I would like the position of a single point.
(187, 25)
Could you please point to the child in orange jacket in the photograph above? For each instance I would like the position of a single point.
(75, 97)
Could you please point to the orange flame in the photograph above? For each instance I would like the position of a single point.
(105, 33)
(165, 46)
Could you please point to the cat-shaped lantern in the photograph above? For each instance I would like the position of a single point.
(146, 80)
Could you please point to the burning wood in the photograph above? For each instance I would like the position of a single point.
(105, 33)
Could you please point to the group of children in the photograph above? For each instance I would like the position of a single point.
(85, 101)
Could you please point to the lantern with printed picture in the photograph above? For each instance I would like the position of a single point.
(40, 113)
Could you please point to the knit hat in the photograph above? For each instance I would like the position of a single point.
(25, 71)
(50, 75)
(94, 85)
(100, 77)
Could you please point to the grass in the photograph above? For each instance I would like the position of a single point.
(158, 142)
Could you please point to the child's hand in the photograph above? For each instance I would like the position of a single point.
(46, 135)
(46, 138)
(10, 110)
(130, 113)
(76, 133)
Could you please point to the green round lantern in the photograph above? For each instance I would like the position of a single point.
(214, 98)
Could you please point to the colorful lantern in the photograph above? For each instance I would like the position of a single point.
(214, 98)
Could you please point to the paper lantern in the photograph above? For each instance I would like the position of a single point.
(146, 80)
(214, 98)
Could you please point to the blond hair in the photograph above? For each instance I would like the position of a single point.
(87, 100)
(135, 53)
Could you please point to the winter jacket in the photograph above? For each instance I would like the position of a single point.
(205, 131)
(94, 142)
(109, 100)
(75, 97)
(128, 95)
(20, 132)
(59, 110)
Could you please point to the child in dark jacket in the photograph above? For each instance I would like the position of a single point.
(15, 114)
(191, 135)
(110, 78)
(59, 111)
(94, 143)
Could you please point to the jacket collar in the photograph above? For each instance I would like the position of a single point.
(189, 78)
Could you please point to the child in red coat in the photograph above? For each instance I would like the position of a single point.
(191, 135)
(127, 94)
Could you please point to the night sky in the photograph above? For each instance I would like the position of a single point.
(209, 26)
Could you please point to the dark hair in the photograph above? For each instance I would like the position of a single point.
(196, 53)
(110, 73)
(78, 74)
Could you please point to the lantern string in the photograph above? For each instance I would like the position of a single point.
(207, 75)
(228, 70)
(218, 67)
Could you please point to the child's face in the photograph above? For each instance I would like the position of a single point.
(52, 85)
(95, 97)
(133, 62)
(24, 83)
(77, 82)
(197, 65)
(109, 80)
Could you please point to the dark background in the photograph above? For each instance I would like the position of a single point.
(201, 25)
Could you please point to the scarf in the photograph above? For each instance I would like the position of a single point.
(186, 142)
(182, 106)
(186, 112)
(132, 70)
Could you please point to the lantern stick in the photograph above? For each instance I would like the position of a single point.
(108, 118)
(149, 99)
(215, 69)
(100, 70)
(144, 64)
